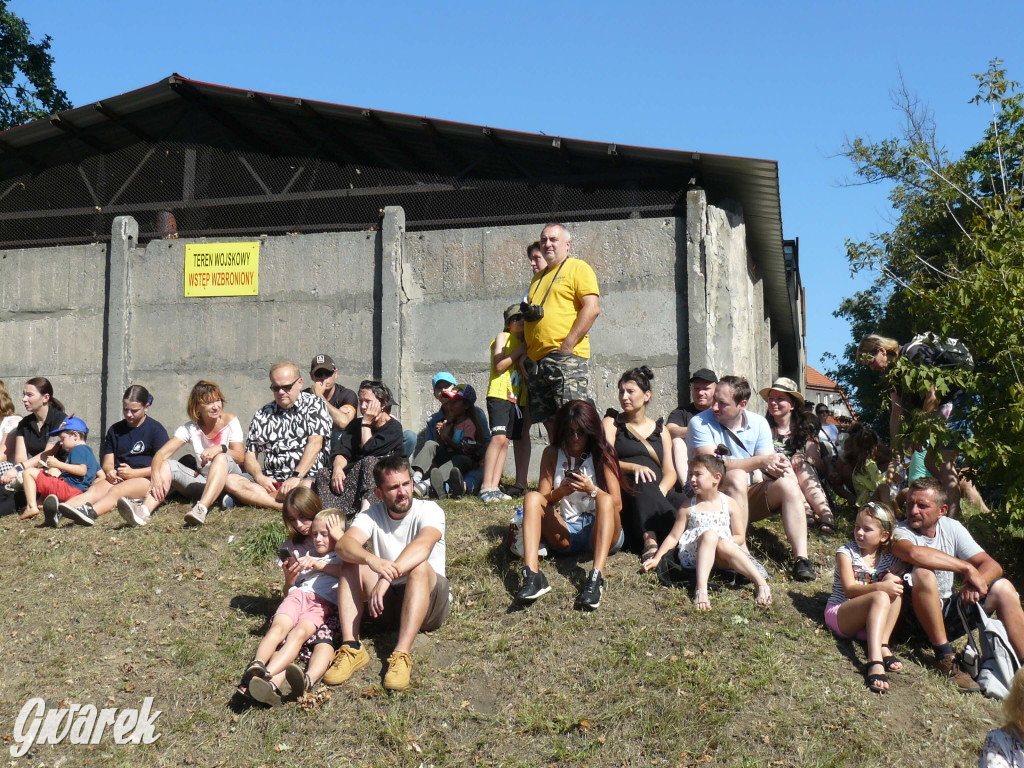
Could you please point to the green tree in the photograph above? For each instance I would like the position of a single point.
(27, 88)
(952, 263)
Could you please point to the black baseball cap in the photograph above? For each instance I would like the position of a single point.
(704, 374)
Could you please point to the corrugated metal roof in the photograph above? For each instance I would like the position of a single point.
(280, 125)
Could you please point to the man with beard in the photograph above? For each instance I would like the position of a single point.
(402, 582)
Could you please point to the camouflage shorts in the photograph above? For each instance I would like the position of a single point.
(556, 379)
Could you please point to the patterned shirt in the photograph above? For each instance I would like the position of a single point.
(282, 435)
(885, 563)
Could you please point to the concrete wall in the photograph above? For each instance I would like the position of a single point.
(52, 307)
(676, 294)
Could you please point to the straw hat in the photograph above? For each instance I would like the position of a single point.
(782, 384)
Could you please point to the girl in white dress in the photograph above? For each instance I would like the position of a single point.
(709, 533)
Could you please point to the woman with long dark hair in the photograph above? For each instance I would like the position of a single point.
(645, 456)
(795, 432)
(32, 441)
(577, 502)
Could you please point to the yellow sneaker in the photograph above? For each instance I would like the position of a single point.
(399, 669)
(347, 661)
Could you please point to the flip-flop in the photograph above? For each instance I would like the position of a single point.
(648, 554)
(265, 692)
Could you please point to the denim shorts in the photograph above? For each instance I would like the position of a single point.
(580, 531)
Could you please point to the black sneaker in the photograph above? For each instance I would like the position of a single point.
(51, 511)
(534, 585)
(83, 515)
(803, 570)
(456, 485)
(590, 597)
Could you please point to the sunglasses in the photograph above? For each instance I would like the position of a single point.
(283, 387)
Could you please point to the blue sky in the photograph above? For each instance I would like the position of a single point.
(786, 81)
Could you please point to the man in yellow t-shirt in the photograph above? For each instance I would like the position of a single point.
(557, 344)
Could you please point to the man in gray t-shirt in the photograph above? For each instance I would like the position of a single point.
(936, 547)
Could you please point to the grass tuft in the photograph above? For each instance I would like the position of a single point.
(262, 542)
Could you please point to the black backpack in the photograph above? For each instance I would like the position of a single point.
(930, 349)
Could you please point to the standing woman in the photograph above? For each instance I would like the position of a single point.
(645, 455)
(576, 505)
(126, 456)
(215, 437)
(32, 437)
(348, 484)
(795, 432)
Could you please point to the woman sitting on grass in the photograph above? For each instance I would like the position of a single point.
(348, 483)
(126, 460)
(576, 505)
(709, 533)
(795, 432)
(311, 579)
(33, 439)
(215, 437)
(644, 449)
(867, 592)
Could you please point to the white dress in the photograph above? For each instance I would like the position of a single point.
(718, 520)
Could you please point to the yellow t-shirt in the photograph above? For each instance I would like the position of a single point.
(575, 281)
(507, 385)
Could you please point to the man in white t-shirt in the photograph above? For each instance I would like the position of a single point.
(402, 582)
(936, 547)
(760, 480)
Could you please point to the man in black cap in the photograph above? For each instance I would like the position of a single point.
(702, 394)
(341, 401)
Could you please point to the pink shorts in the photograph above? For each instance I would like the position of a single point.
(46, 485)
(832, 622)
(300, 605)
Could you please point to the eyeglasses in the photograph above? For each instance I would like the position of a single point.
(283, 387)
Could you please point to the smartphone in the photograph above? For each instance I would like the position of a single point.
(283, 554)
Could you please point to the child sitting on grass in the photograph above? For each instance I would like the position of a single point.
(709, 534)
(867, 592)
(272, 674)
(61, 480)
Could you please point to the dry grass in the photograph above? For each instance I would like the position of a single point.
(110, 615)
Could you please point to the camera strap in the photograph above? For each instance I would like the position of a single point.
(550, 285)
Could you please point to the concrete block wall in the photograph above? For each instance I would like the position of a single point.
(52, 315)
(676, 294)
(459, 282)
(316, 294)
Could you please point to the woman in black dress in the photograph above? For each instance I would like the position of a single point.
(645, 458)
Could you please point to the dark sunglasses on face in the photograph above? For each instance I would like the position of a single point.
(282, 387)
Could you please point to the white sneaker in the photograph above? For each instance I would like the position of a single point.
(133, 512)
(196, 515)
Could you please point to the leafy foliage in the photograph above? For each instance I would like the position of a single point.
(27, 87)
(952, 263)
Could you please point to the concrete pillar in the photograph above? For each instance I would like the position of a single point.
(124, 236)
(701, 356)
(392, 249)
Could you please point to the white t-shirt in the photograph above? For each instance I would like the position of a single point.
(576, 503)
(390, 537)
(319, 583)
(9, 424)
(192, 434)
(950, 537)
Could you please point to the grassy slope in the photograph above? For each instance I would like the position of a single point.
(111, 615)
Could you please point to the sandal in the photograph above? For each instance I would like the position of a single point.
(827, 524)
(265, 692)
(763, 596)
(892, 662)
(874, 682)
(256, 668)
(702, 604)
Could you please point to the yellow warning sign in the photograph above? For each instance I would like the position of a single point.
(222, 269)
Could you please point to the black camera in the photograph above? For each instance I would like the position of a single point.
(531, 312)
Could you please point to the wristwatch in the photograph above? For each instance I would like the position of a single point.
(593, 493)
(297, 474)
